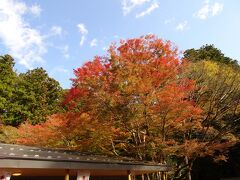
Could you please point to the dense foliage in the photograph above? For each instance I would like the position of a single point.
(209, 52)
(9, 109)
(30, 96)
(218, 79)
(43, 96)
(140, 100)
(133, 98)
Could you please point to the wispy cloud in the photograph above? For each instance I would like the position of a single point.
(94, 42)
(204, 11)
(129, 5)
(82, 40)
(56, 30)
(217, 8)
(182, 26)
(35, 10)
(149, 10)
(83, 30)
(23, 41)
(208, 10)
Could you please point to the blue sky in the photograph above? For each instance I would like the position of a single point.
(60, 35)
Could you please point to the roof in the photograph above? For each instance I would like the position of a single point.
(26, 157)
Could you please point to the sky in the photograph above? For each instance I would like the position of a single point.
(61, 35)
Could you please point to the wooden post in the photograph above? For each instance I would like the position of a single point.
(67, 174)
(129, 175)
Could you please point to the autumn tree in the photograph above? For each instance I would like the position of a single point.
(137, 101)
(218, 90)
(217, 94)
(222, 63)
(75, 131)
(138, 96)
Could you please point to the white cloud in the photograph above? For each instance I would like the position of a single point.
(204, 11)
(83, 30)
(182, 26)
(208, 10)
(82, 40)
(148, 11)
(94, 42)
(129, 5)
(24, 42)
(35, 9)
(56, 30)
(217, 8)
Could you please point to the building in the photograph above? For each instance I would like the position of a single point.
(24, 162)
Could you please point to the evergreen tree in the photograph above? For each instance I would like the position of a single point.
(43, 94)
(28, 96)
(208, 52)
(10, 109)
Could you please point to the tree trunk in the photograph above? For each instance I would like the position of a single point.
(189, 177)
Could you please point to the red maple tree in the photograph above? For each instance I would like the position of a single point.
(133, 102)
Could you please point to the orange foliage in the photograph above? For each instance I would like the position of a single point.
(133, 102)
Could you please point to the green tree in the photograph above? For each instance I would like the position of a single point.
(42, 94)
(28, 96)
(10, 110)
(208, 52)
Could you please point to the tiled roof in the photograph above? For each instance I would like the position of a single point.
(12, 151)
(19, 156)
